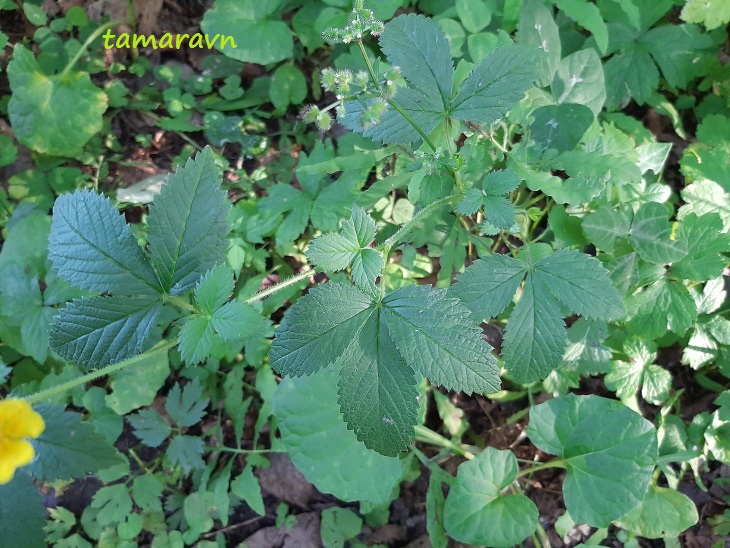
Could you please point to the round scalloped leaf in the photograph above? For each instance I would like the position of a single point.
(56, 114)
(479, 511)
(608, 449)
(665, 513)
(322, 448)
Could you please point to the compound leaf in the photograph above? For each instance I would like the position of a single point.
(478, 511)
(535, 338)
(150, 427)
(186, 406)
(581, 283)
(317, 330)
(377, 391)
(214, 289)
(498, 82)
(487, 287)
(197, 338)
(437, 338)
(98, 331)
(321, 446)
(186, 451)
(608, 450)
(92, 247)
(187, 224)
(54, 115)
(419, 47)
(69, 448)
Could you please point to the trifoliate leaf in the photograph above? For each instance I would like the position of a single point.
(349, 247)
(478, 510)
(599, 457)
(97, 331)
(487, 194)
(630, 74)
(651, 235)
(187, 224)
(705, 241)
(535, 337)
(625, 378)
(495, 85)
(69, 448)
(54, 115)
(186, 406)
(197, 338)
(434, 334)
(320, 445)
(674, 48)
(149, 427)
(488, 286)
(377, 390)
(91, 246)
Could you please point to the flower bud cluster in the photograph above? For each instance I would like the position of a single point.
(360, 22)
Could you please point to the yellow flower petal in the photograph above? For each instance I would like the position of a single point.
(17, 422)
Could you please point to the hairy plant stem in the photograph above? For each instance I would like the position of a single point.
(93, 36)
(281, 285)
(93, 375)
(180, 303)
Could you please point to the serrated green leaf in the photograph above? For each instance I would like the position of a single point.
(377, 390)
(651, 235)
(321, 446)
(704, 197)
(495, 85)
(674, 48)
(147, 491)
(69, 448)
(712, 13)
(237, 321)
(22, 513)
(113, 504)
(478, 511)
(366, 268)
(54, 115)
(499, 212)
(604, 226)
(581, 283)
(150, 427)
(246, 486)
(488, 286)
(186, 451)
(630, 74)
(665, 305)
(664, 513)
(197, 338)
(588, 16)
(535, 337)
(434, 334)
(91, 246)
(471, 203)
(186, 406)
(187, 224)
(317, 330)
(214, 289)
(609, 467)
(705, 241)
(625, 378)
(537, 28)
(418, 46)
(98, 331)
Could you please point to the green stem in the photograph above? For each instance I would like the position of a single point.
(426, 435)
(557, 463)
(93, 375)
(93, 36)
(281, 285)
(241, 451)
(415, 220)
(180, 303)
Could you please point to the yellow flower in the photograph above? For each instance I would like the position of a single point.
(17, 422)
